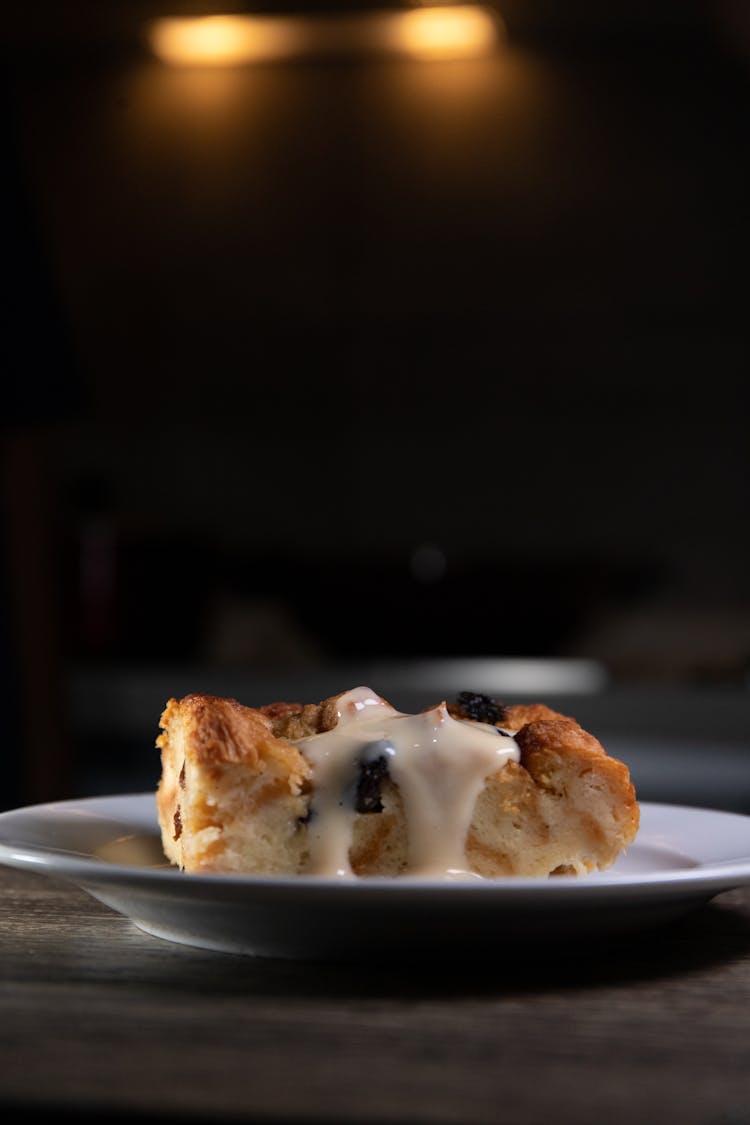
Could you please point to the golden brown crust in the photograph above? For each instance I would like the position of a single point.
(296, 720)
(222, 730)
(519, 714)
(275, 711)
(544, 733)
(549, 742)
(219, 730)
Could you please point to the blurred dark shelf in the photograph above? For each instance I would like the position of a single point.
(683, 745)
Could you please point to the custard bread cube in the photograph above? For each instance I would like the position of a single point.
(231, 793)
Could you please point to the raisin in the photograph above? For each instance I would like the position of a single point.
(481, 708)
(371, 775)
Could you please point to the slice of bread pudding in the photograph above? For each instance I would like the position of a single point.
(352, 787)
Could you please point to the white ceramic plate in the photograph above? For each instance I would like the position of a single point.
(110, 847)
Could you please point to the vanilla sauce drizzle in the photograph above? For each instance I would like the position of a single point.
(439, 763)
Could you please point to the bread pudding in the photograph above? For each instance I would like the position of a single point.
(352, 787)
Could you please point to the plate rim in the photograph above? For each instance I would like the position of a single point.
(87, 871)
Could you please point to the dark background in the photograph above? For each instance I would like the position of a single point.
(318, 363)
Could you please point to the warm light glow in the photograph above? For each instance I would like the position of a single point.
(224, 40)
(445, 32)
(439, 32)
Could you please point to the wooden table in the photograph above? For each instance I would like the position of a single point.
(97, 1016)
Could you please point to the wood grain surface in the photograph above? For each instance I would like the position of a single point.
(98, 1017)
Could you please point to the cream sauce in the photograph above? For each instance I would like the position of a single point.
(439, 764)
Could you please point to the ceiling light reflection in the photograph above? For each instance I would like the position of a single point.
(458, 32)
